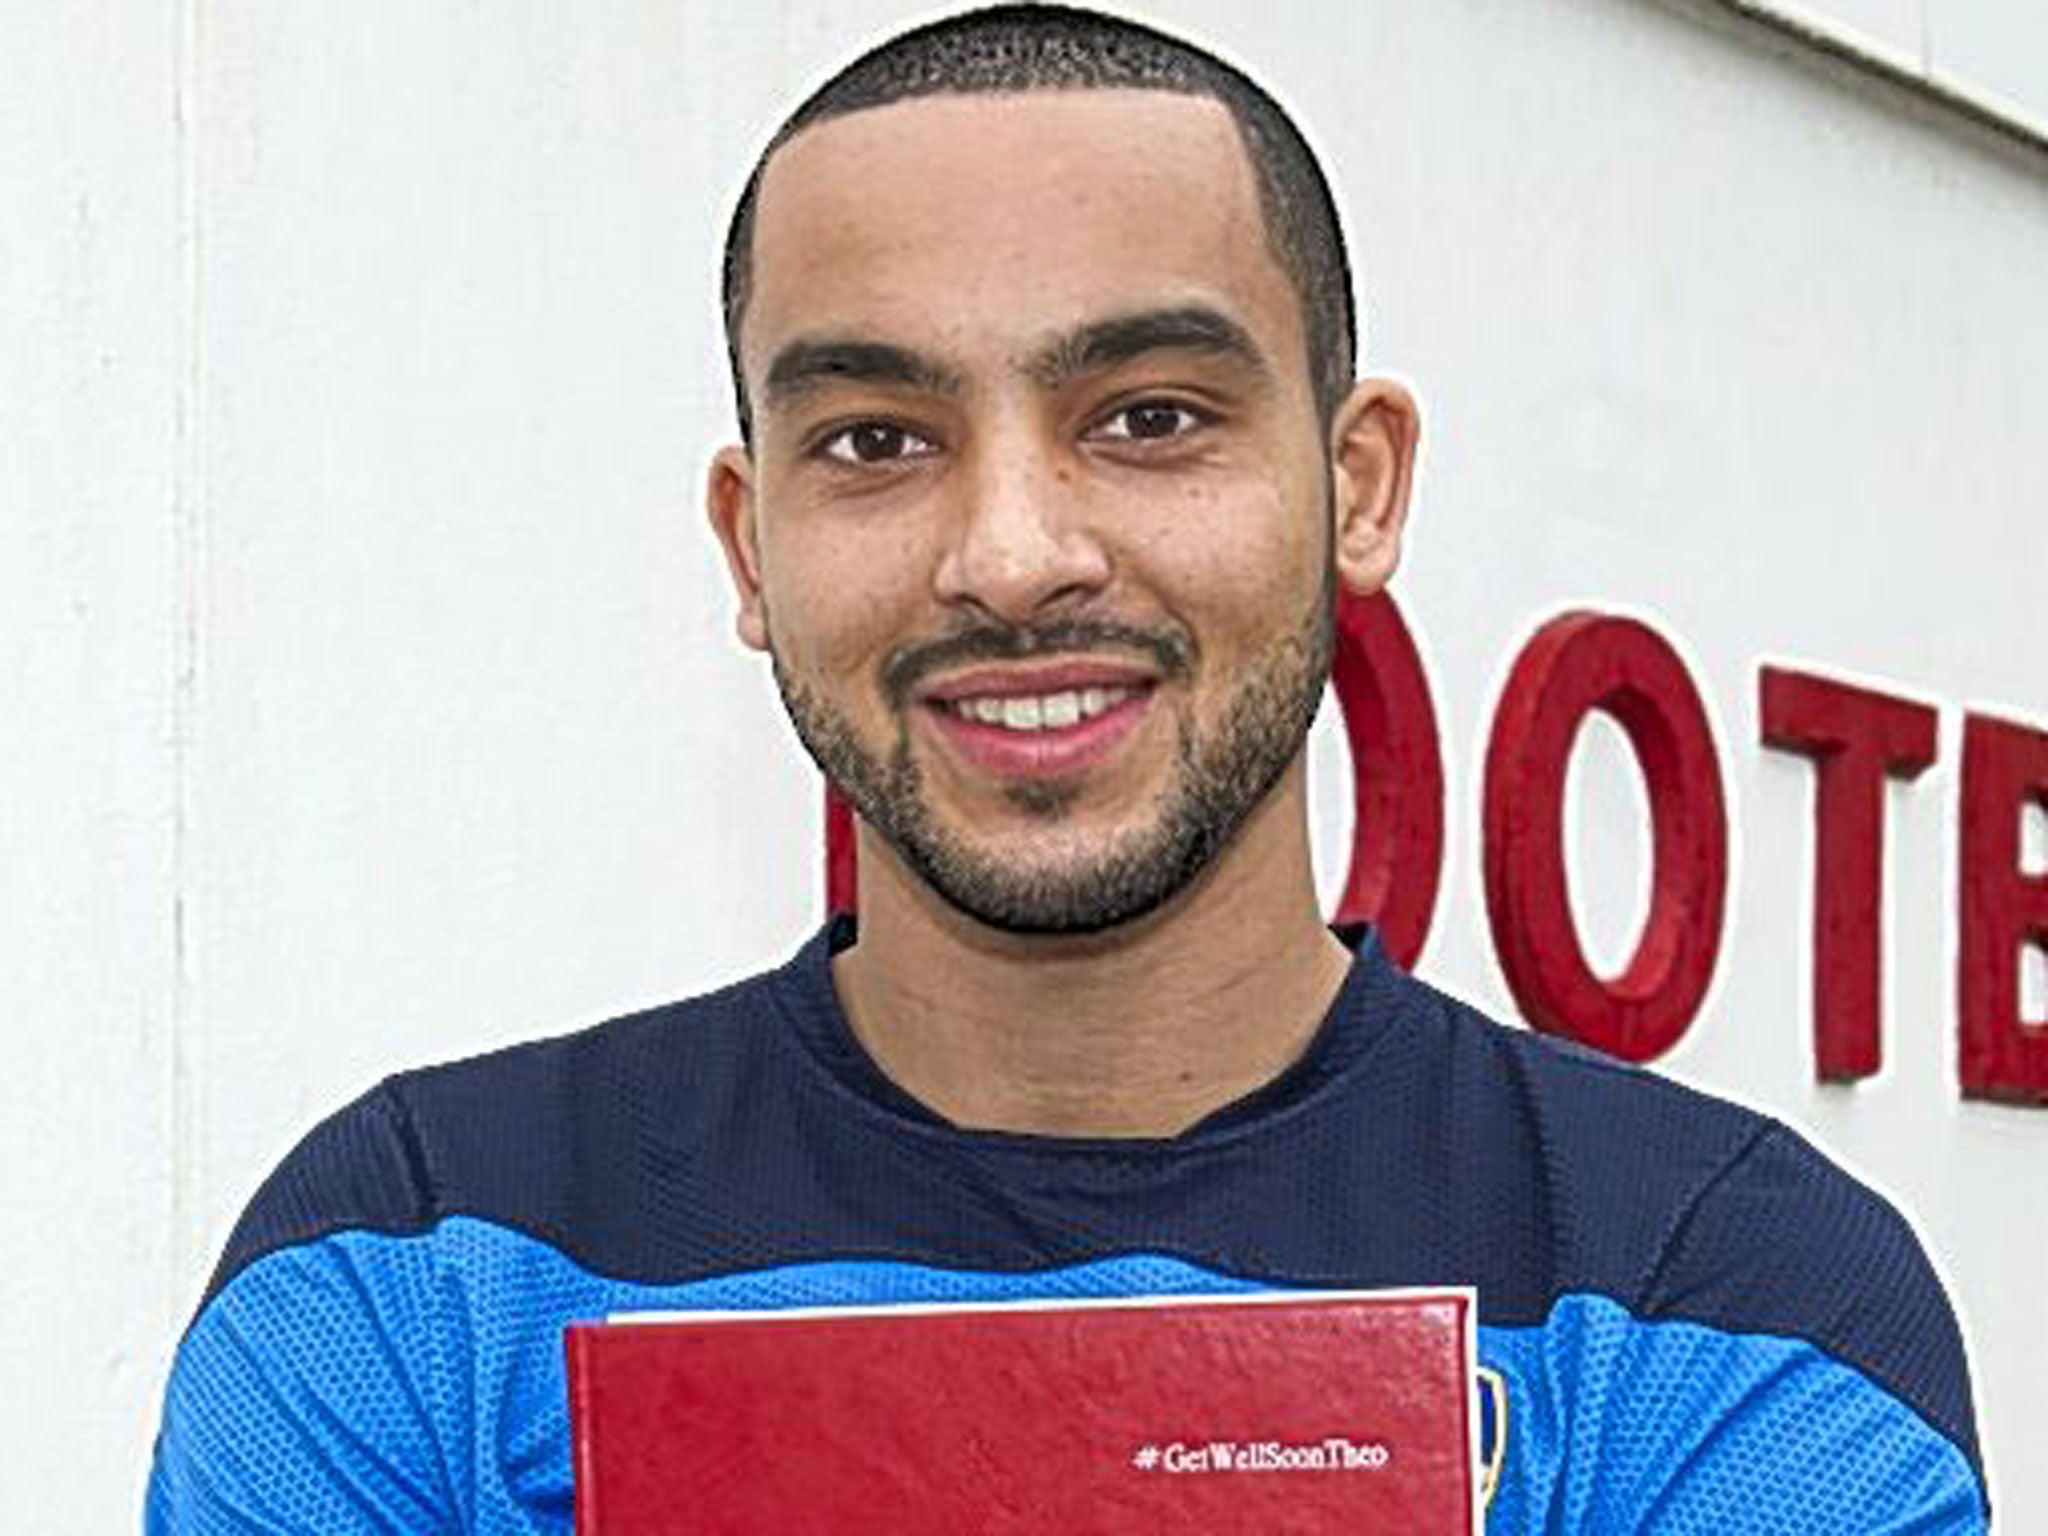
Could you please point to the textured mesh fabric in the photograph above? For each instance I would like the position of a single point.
(1622, 1425)
(1703, 1325)
(376, 1383)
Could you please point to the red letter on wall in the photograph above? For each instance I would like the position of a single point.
(2005, 769)
(1574, 664)
(1397, 776)
(1856, 739)
(842, 878)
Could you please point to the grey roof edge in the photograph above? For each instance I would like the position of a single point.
(1951, 98)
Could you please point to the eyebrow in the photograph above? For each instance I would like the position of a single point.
(812, 362)
(1105, 344)
(809, 362)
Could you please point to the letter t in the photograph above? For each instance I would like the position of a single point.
(1856, 739)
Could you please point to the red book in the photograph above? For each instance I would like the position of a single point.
(1296, 1413)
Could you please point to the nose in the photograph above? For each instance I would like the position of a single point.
(1021, 542)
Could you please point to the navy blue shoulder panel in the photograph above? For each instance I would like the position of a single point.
(545, 1137)
(1787, 1244)
(1755, 1231)
(358, 1168)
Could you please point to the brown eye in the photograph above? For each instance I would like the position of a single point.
(874, 442)
(1150, 421)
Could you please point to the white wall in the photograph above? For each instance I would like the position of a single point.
(91, 484)
(368, 668)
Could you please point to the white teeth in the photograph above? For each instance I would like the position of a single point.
(1060, 709)
(1100, 699)
(1023, 715)
(1048, 712)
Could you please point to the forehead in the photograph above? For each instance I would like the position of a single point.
(980, 222)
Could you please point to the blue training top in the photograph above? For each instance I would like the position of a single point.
(1704, 1327)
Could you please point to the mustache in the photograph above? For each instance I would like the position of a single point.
(1171, 651)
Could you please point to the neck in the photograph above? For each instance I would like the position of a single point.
(1139, 1031)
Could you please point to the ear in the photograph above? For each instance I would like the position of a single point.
(1372, 467)
(729, 499)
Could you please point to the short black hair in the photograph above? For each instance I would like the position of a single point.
(1010, 48)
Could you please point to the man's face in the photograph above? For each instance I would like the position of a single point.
(1035, 523)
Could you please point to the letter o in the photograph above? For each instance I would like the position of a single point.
(1576, 663)
(1397, 776)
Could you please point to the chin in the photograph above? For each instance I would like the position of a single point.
(1098, 883)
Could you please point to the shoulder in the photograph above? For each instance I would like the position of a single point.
(1786, 1244)
(1583, 1167)
(1762, 1234)
(1713, 1297)
(419, 1247)
(1582, 1099)
(1683, 1208)
(1637, 1165)
(499, 1135)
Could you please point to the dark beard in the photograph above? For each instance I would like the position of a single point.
(1220, 778)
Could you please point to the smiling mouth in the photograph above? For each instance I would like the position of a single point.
(1043, 724)
(1038, 712)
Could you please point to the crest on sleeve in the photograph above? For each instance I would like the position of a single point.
(1493, 1430)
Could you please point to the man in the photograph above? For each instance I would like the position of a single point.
(1042, 336)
